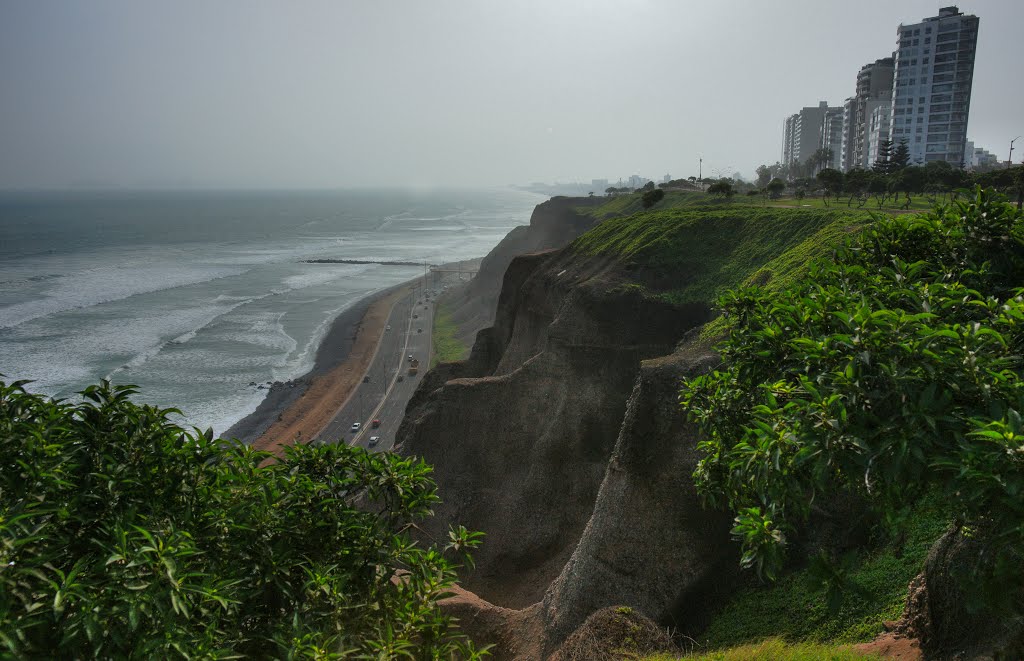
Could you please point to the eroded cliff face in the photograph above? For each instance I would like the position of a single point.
(521, 434)
(649, 543)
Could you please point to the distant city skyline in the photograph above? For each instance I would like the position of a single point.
(920, 97)
(125, 95)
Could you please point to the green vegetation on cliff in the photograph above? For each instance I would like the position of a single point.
(774, 649)
(887, 374)
(447, 346)
(796, 606)
(124, 536)
(688, 255)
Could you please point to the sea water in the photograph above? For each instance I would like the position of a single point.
(195, 296)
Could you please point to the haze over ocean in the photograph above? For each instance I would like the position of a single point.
(193, 295)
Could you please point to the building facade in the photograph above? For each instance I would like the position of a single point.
(878, 126)
(978, 158)
(832, 138)
(931, 97)
(802, 133)
(874, 88)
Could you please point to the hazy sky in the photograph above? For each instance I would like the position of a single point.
(341, 94)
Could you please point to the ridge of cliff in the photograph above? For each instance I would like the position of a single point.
(553, 224)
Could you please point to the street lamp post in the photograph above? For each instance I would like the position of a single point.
(1009, 159)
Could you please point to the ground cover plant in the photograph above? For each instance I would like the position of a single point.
(694, 255)
(123, 535)
(447, 346)
(891, 371)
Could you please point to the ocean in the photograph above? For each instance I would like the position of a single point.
(194, 296)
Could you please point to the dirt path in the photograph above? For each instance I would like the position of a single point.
(326, 393)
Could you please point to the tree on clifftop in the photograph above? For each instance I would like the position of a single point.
(831, 181)
(722, 188)
(652, 197)
(900, 157)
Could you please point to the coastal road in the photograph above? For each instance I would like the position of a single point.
(384, 396)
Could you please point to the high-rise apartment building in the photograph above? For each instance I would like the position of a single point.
(932, 86)
(878, 126)
(832, 137)
(874, 88)
(802, 133)
(849, 141)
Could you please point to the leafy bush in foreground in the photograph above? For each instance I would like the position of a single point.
(891, 370)
(125, 536)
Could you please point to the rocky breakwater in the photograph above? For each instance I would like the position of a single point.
(521, 434)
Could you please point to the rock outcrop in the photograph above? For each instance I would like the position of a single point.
(941, 613)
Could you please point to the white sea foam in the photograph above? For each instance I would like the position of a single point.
(107, 284)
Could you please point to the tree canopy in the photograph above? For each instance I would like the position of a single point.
(892, 370)
(123, 535)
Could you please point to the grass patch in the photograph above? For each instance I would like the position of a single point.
(701, 252)
(447, 347)
(774, 649)
(626, 205)
(794, 608)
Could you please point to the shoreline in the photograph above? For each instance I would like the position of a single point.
(342, 357)
(297, 410)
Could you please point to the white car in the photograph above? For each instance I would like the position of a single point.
(355, 427)
(374, 440)
(388, 327)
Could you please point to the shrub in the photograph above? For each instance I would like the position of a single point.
(652, 197)
(890, 370)
(125, 536)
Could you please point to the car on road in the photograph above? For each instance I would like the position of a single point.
(410, 358)
(366, 379)
(375, 423)
(419, 330)
(388, 327)
(401, 378)
(374, 440)
(355, 427)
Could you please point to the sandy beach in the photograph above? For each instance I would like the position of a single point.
(296, 411)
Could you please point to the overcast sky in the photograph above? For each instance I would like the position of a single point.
(442, 93)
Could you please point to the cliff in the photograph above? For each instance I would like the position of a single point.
(561, 436)
(521, 438)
